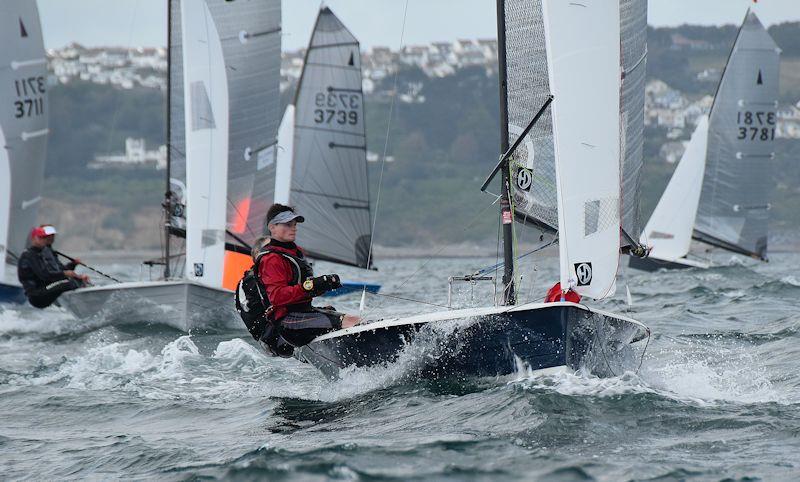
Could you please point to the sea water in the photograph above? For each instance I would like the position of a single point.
(717, 395)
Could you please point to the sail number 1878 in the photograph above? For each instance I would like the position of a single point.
(756, 125)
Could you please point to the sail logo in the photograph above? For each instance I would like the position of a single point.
(584, 273)
(198, 270)
(524, 179)
(23, 32)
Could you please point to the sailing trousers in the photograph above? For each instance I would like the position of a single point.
(44, 297)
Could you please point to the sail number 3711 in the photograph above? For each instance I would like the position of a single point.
(756, 125)
(337, 108)
(30, 96)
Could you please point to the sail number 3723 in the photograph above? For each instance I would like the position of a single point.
(337, 108)
(30, 96)
(756, 125)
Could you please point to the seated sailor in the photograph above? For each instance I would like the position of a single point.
(43, 277)
(289, 284)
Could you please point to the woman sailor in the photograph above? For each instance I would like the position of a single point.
(290, 286)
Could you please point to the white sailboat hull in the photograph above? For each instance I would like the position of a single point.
(183, 305)
(536, 337)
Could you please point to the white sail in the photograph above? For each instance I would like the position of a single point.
(285, 155)
(206, 126)
(23, 125)
(583, 47)
(669, 231)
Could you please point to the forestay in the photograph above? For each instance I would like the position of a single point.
(734, 203)
(23, 124)
(669, 231)
(329, 172)
(583, 42)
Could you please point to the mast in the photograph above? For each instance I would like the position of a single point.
(168, 193)
(506, 215)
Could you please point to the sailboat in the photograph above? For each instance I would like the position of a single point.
(719, 193)
(23, 135)
(224, 61)
(322, 154)
(561, 173)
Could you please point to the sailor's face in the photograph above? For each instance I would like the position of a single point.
(285, 232)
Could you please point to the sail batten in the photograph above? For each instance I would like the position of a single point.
(742, 126)
(329, 183)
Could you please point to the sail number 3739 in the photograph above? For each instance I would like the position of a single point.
(756, 125)
(337, 108)
(30, 96)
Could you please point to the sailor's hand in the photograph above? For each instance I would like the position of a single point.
(322, 284)
(70, 274)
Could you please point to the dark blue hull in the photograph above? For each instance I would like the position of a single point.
(353, 287)
(652, 264)
(11, 294)
(562, 335)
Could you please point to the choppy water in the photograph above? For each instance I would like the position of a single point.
(717, 397)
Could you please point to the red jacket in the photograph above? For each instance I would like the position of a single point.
(276, 274)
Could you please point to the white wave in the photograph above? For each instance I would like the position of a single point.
(790, 280)
(720, 374)
(425, 349)
(24, 319)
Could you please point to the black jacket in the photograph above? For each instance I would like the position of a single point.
(39, 267)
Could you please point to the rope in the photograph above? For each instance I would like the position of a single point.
(410, 299)
(386, 142)
(434, 255)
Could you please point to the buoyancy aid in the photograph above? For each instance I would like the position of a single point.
(252, 301)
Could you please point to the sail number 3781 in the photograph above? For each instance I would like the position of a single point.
(30, 96)
(756, 125)
(336, 108)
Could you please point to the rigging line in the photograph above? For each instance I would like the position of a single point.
(385, 295)
(478, 216)
(114, 119)
(386, 141)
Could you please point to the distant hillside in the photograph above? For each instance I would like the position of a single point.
(442, 148)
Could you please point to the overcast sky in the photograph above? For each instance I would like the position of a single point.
(374, 22)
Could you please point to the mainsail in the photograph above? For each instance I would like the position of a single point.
(583, 42)
(734, 203)
(329, 183)
(633, 38)
(244, 40)
(23, 124)
(528, 86)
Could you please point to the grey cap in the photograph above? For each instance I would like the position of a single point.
(285, 217)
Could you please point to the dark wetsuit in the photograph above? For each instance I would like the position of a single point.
(42, 276)
(282, 277)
